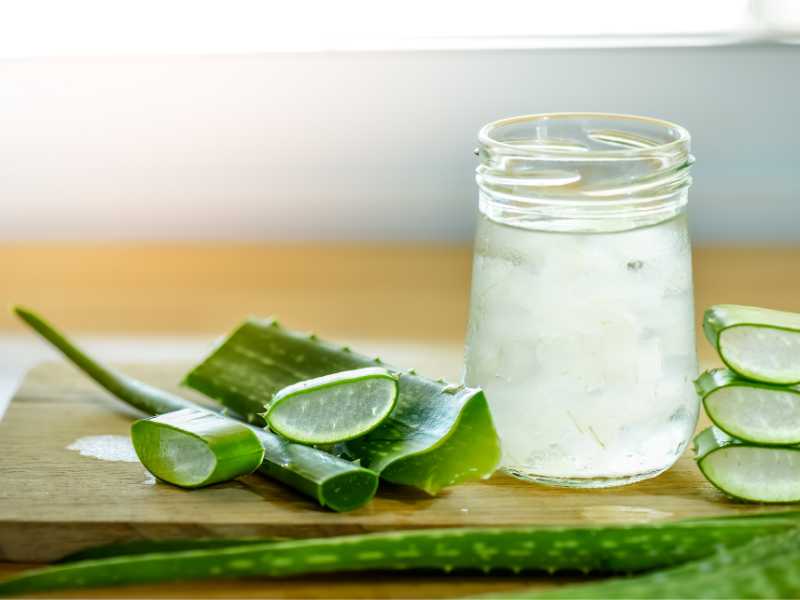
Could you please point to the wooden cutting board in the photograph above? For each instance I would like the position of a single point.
(54, 501)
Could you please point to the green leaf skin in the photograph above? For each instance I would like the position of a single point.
(438, 434)
(721, 317)
(711, 441)
(335, 483)
(193, 448)
(136, 547)
(766, 567)
(331, 411)
(715, 380)
(612, 549)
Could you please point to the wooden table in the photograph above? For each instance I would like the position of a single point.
(416, 294)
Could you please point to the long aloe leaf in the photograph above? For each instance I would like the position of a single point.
(767, 567)
(612, 549)
(438, 434)
(135, 547)
(338, 484)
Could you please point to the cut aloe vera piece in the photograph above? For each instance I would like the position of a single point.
(331, 481)
(194, 448)
(438, 434)
(600, 549)
(333, 408)
(748, 471)
(757, 343)
(755, 412)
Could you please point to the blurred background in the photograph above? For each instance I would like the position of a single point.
(169, 167)
(354, 120)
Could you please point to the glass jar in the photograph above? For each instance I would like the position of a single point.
(581, 325)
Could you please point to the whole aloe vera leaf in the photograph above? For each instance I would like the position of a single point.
(438, 434)
(338, 484)
(748, 471)
(757, 343)
(613, 549)
(193, 448)
(761, 413)
(766, 567)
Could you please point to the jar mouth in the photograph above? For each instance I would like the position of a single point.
(630, 141)
(605, 170)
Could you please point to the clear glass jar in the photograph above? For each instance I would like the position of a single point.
(581, 325)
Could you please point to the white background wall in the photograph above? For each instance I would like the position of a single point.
(366, 145)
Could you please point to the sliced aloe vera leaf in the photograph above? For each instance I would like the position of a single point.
(438, 434)
(748, 471)
(331, 481)
(766, 567)
(193, 448)
(760, 413)
(757, 343)
(601, 549)
(333, 408)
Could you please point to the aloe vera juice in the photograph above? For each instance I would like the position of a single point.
(584, 344)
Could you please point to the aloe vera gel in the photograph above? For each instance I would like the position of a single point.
(581, 324)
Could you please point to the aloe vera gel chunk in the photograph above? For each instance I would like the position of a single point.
(333, 408)
(193, 448)
(759, 413)
(757, 343)
(748, 471)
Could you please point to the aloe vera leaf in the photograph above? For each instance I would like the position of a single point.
(760, 413)
(193, 448)
(611, 549)
(136, 547)
(757, 343)
(766, 567)
(331, 481)
(749, 471)
(333, 408)
(438, 435)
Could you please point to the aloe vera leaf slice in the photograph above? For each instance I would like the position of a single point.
(333, 482)
(757, 343)
(438, 434)
(609, 549)
(760, 413)
(333, 408)
(193, 448)
(766, 567)
(748, 471)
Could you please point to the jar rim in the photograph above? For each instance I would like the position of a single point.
(679, 133)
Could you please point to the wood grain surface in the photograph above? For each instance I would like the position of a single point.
(53, 500)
